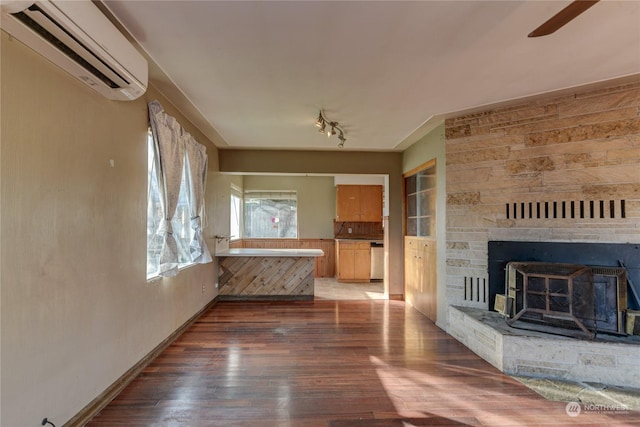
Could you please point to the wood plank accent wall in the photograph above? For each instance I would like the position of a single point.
(247, 277)
(236, 244)
(559, 169)
(324, 266)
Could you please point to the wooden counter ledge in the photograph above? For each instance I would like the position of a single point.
(254, 252)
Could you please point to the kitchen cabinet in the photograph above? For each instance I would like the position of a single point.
(359, 203)
(353, 261)
(420, 275)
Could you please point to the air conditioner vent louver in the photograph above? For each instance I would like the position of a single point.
(77, 37)
(23, 17)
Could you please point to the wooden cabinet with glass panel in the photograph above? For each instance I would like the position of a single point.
(420, 202)
(420, 252)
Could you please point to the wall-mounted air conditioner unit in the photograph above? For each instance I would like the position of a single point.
(76, 36)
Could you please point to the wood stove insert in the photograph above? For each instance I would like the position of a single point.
(558, 298)
(549, 294)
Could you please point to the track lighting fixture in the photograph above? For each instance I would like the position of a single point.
(330, 128)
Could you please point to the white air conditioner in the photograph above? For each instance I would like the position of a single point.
(76, 36)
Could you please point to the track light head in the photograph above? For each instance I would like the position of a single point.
(334, 128)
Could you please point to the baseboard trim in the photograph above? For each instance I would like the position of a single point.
(96, 405)
(396, 297)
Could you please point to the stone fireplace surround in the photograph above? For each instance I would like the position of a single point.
(562, 169)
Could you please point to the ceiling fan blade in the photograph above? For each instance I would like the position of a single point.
(563, 17)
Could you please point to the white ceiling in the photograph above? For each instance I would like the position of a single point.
(253, 74)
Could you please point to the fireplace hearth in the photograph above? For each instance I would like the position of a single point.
(608, 359)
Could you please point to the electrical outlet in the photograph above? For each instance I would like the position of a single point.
(350, 230)
(203, 288)
(216, 285)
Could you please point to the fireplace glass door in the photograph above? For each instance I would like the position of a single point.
(552, 295)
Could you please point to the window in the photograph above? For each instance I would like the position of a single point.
(177, 173)
(270, 214)
(236, 213)
(181, 222)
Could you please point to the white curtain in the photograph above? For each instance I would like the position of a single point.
(175, 146)
(167, 137)
(197, 162)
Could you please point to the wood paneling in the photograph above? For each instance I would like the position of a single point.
(324, 266)
(236, 244)
(330, 363)
(253, 277)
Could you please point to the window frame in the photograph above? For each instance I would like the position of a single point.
(236, 193)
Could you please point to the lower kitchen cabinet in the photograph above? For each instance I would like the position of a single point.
(353, 261)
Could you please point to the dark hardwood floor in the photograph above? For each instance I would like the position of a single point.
(329, 363)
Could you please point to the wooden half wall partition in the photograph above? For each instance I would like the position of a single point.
(325, 266)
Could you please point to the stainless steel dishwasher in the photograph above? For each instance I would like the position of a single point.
(377, 261)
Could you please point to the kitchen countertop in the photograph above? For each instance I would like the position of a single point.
(257, 252)
(361, 239)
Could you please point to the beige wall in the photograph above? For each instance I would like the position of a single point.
(76, 310)
(316, 200)
(335, 162)
(432, 146)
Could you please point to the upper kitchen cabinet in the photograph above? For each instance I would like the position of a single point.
(359, 203)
